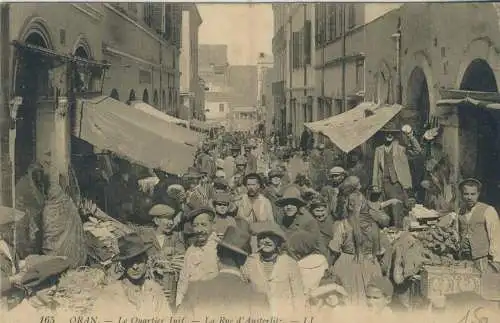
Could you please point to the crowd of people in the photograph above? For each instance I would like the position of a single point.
(252, 232)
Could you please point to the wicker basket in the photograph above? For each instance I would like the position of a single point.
(440, 280)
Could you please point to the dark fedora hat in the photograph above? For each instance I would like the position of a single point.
(201, 210)
(236, 240)
(291, 195)
(131, 245)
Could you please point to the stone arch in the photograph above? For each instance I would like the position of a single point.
(418, 98)
(82, 46)
(419, 60)
(38, 26)
(479, 48)
(114, 94)
(156, 98)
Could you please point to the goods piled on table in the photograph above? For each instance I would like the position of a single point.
(101, 236)
(441, 244)
(78, 289)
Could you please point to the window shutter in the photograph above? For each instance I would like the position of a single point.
(157, 13)
(307, 42)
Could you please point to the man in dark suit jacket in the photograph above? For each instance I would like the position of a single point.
(227, 293)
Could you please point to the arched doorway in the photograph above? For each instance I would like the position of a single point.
(416, 114)
(163, 101)
(155, 99)
(145, 96)
(114, 94)
(131, 96)
(479, 132)
(32, 84)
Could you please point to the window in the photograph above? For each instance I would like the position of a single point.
(307, 42)
(352, 16)
(331, 32)
(221, 107)
(360, 74)
(148, 14)
(339, 23)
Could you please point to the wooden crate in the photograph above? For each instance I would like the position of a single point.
(440, 280)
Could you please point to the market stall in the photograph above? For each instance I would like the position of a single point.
(108, 124)
(154, 112)
(352, 128)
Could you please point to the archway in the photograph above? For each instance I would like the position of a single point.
(479, 132)
(155, 99)
(416, 114)
(131, 96)
(114, 94)
(163, 101)
(31, 83)
(418, 104)
(145, 96)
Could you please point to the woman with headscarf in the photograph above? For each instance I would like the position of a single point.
(356, 248)
(303, 246)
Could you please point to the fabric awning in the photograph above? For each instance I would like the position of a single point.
(354, 127)
(154, 112)
(109, 124)
(489, 100)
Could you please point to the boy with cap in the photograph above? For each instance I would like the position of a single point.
(224, 213)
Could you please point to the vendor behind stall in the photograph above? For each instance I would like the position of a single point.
(479, 228)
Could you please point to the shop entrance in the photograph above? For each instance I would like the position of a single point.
(479, 133)
(33, 85)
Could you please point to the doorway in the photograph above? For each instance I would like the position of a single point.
(479, 133)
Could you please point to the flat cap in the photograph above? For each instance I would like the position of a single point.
(162, 211)
(337, 170)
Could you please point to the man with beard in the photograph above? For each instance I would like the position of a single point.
(318, 208)
(200, 261)
(228, 293)
(331, 191)
(391, 171)
(253, 206)
(134, 293)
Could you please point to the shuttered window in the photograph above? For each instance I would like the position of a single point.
(332, 22)
(156, 19)
(352, 16)
(307, 42)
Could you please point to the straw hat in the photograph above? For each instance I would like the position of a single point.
(268, 227)
(328, 286)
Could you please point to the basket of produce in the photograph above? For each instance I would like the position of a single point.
(78, 289)
(441, 243)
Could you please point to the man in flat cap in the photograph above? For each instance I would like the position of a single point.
(200, 261)
(204, 162)
(331, 191)
(478, 227)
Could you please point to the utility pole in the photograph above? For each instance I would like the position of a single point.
(397, 37)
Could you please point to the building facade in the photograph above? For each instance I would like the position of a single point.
(66, 51)
(293, 50)
(189, 80)
(264, 65)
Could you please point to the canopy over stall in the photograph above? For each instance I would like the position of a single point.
(490, 100)
(154, 112)
(354, 127)
(131, 133)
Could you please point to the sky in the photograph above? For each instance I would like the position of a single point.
(246, 29)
